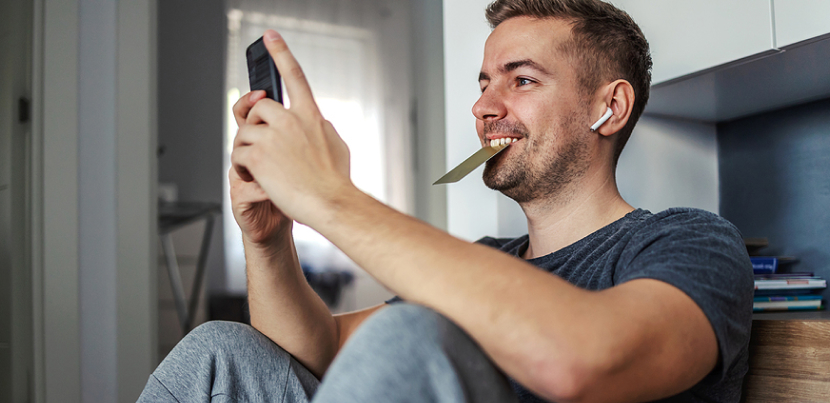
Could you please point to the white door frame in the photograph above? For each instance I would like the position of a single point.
(55, 195)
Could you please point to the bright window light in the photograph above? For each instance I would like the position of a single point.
(340, 65)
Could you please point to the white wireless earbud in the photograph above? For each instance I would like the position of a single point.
(602, 120)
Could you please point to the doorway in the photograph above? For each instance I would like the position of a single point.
(16, 332)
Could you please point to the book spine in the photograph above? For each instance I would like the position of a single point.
(780, 298)
(764, 265)
(791, 308)
(789, 284)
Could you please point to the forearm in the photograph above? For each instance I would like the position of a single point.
(285, 308)
(493, 296)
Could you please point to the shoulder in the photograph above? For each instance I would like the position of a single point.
(688, 215)
(509, 245)
(687, 243)
(685, 235)
(493, 242)
(686, 220)
(695, 250)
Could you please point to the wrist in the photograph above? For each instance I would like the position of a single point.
(328, 208)
(271, 247)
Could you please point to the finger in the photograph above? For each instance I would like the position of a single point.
(299, 92)
(244, 105)
(249, 134)
(245, 192)
(240, 157)
(266, 111)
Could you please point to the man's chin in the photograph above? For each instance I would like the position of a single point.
(502, 183)
(490, 177)
(510, 183)
(508, 179)
(495, 185)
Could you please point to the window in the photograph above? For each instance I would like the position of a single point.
(342, 67)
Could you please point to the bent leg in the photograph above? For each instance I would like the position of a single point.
(408, 353)
(229, 362)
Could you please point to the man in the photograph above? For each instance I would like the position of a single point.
(639, 307)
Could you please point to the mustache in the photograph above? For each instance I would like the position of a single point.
(505, 127)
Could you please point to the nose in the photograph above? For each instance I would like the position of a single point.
(489, 106)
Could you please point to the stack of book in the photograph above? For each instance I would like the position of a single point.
(778, 288)
(787, 292)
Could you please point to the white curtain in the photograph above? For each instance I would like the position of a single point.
(355, 55)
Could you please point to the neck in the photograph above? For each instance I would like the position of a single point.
(580, 209)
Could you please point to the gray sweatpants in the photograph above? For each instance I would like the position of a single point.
(404, 353)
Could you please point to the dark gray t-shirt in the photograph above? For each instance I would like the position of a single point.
(696, 251)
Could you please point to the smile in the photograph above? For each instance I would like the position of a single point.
(502, 141)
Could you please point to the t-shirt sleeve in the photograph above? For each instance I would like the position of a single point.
(703, 255)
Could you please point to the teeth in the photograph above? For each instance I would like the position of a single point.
(502, 141)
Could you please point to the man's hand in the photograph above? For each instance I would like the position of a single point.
(286, 158)
(261, 222)
(295, 155)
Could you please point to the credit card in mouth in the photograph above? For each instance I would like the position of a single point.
(470, 164)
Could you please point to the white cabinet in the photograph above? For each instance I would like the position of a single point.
(797, 20)
(689, 36)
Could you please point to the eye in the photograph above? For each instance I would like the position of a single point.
(520, 81)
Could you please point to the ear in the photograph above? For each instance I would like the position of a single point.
(619, 96)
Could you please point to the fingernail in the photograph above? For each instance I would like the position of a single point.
(271, 35)
(253, 97)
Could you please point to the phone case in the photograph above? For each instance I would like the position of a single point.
(262, 72)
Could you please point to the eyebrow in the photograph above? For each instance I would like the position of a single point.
(510, 66)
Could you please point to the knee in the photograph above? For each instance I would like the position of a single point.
(219, 327)
(221, 336)
(220, 330)
(409, 323)
(405, 315)
(217, 342)
(409, 346)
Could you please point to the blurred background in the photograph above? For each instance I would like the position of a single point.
(116, 129)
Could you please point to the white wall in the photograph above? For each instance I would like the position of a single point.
(473, 210)
(97, 198)
(429, 123)
(670, 163)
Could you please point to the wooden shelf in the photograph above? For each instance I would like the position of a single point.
(792, 315)
(787, 362)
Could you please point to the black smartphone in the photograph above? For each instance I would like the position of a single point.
(262, 72)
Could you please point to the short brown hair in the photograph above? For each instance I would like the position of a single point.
(606, 45)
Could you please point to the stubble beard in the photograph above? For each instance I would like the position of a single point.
(522, 180)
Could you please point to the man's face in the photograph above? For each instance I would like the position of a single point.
(530, 92)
